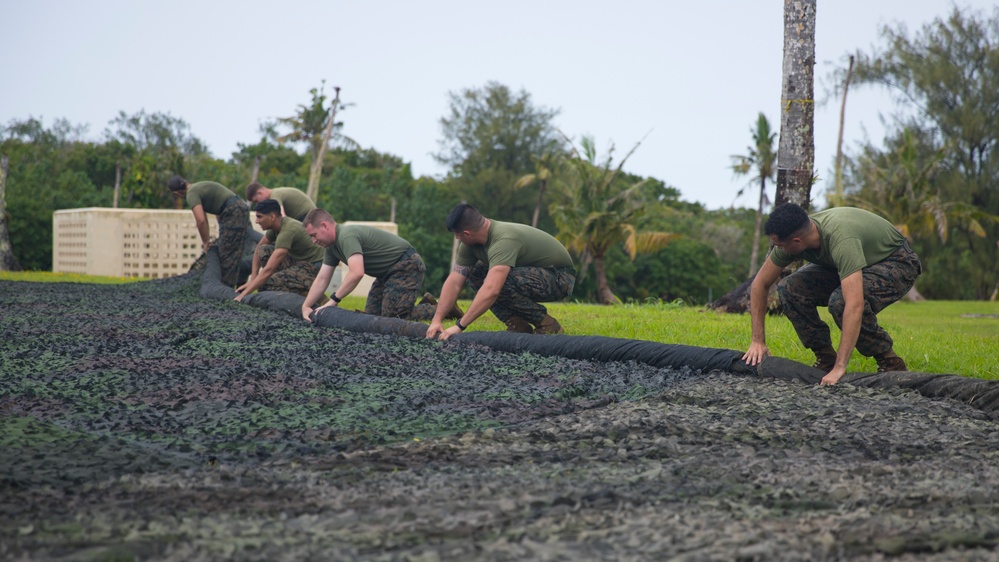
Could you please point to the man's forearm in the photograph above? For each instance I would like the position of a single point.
(758, 312)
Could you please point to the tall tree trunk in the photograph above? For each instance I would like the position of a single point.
(537, 208)
(256, 169)
(117, 184)
(8, 261)
(755, 254)
(796, 152)
(838, 189)
(604, 293)
(317, 164)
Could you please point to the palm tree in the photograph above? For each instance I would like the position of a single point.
(315, 125)
(596, 208)
(544, 168)
(899, 185)
(762, 160)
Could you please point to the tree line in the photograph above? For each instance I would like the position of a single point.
(633, 237)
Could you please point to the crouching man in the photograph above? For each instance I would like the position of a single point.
(859, 264)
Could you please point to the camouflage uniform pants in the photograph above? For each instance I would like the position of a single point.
(812, 286)
(234, 220)
(292, 276)
(524, 288)
(394, 293)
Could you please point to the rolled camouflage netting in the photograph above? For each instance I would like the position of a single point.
(978, 393)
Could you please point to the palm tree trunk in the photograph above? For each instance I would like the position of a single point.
(755, 255)
(838, 190)
(317, 165)
(604, 293)
(117, 184)
(796, 151)
(8, 261)
(537, 208)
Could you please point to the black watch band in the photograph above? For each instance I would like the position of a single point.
(458, 324)
(335, 298)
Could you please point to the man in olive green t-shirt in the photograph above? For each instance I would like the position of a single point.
(859, 264)
(232, 213)
(294, 202)
(512, 268)
(285, 258)
(397, 268)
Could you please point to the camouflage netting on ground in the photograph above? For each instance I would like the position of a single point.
(148, 422)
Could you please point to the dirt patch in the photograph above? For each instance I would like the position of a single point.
(142, 422)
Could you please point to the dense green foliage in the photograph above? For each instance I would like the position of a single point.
(936, 175)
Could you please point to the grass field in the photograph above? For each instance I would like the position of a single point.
(960, 337)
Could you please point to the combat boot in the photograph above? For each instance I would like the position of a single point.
(825, 359)
(518, 325)
(549, 326)
(454, 314)
(891, 364)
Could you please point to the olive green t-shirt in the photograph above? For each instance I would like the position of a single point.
(515, 245)
(210, 195)
(381, 249)
(293, 238)
(295, 202)
(851, 239)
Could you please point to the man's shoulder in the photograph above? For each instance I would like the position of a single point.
(206, 185)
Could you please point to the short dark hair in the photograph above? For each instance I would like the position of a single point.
(786, 221)
(252, 189)
(316, 216)
(267, 206)
(176, 183)
(464, 217)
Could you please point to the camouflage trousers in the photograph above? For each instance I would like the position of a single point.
(292, 276)
(813, 285)
(234, 220)
(525, 288)
(394, 293)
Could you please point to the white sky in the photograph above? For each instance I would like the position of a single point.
(695, 74)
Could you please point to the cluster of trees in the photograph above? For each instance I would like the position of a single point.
(505, 156)
(937, 174)
(633, 238)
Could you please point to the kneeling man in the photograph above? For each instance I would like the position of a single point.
(285, 258)
(393, 262)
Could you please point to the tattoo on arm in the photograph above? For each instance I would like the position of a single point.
(462, 270)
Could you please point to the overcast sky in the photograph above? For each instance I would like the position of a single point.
(693, 75)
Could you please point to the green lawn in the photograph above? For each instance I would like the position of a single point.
(959, 337)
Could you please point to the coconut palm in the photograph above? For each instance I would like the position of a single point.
(900, 185)
(544, 168)
(596, 207)
(761, 160)
(316, 126)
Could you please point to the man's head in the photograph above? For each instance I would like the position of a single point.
(465, 222)
(787, 227)
(268, 214)
(177, 185)
(257, 192)
(320, 227)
